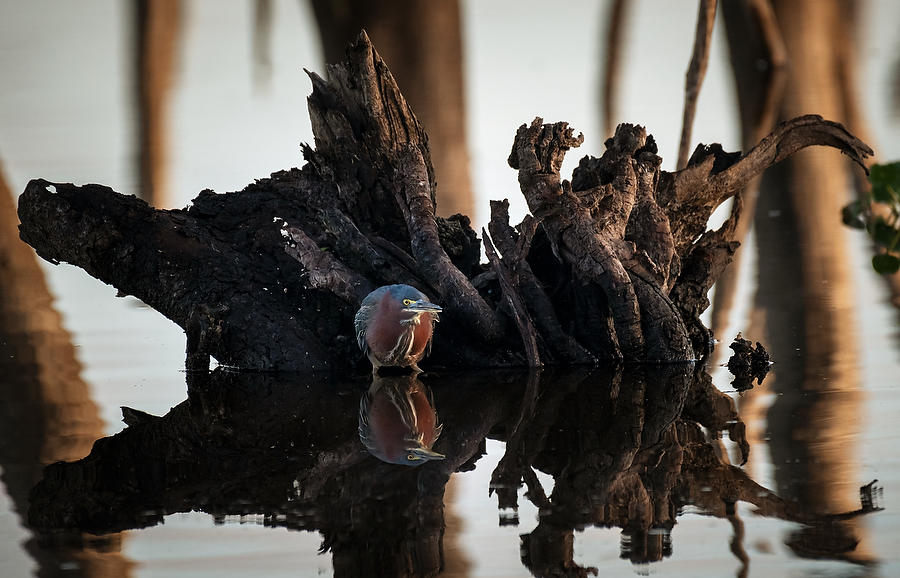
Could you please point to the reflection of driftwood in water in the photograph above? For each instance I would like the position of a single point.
(618, 445)
(525, 438)
(619, 266)
(626, 455)
(48, 412)
(748, 363)
(606, 447)
(716, 412)
(827, 535)
(285, 447)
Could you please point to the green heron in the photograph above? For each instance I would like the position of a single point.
(397, 421)
(394, 325)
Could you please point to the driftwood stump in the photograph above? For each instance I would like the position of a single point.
(614, 264)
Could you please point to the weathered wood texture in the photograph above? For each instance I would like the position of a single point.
(614, 264)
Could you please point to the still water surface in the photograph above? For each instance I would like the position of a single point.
(65, 114)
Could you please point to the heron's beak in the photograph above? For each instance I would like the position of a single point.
(427, 454)
(421, 306)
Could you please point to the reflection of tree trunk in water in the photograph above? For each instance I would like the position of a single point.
(751, 404)
(157, 23)
(813, 424)
(51, 416)
(753, 37)
(421, 42)
(456, 559)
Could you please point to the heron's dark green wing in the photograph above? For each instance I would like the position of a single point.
(365, 431)
(359, 324)
(438, 426)
(366, 310)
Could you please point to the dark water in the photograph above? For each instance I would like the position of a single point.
(648, 461)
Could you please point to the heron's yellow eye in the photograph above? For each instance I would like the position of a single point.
(407, 302)
(412, 457)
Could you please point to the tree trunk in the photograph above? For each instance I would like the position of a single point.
(158, 27)
(422, 42)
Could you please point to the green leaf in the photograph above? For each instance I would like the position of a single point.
(882, 232)
(885, 181)
(855, 214)
(886, 263)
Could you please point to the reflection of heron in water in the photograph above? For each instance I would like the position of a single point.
(397, 421)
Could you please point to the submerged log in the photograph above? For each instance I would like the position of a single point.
(614, 264)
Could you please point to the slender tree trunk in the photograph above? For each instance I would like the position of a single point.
(158, 26)
(759, 63)
(421, 41)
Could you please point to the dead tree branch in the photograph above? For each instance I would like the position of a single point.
(706, 18)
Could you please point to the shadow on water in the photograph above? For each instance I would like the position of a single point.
(628, 449)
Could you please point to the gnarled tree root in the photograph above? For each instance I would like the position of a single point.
(614, 264)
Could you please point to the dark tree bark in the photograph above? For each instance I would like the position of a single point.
(612, 265)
